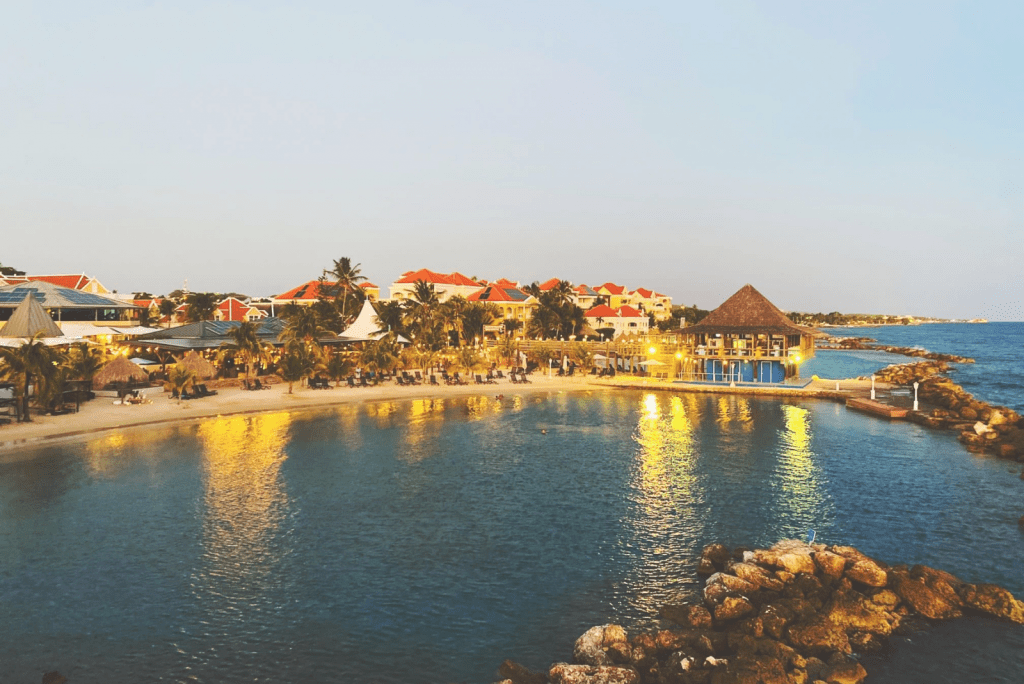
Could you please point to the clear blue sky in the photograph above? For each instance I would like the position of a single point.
(839, 156)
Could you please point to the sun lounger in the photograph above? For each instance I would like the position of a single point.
(433, 381)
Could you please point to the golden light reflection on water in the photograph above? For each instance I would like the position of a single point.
(796, 473)
(666, 489)
(244, 499)
(733, 413)
(424, 423)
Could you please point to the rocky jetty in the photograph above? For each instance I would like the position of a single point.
(791, 614)
(869, 343)
(981, 426)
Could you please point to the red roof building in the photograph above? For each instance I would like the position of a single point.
(232, 309)
(624, 319)
(80, 282)
(447, 285)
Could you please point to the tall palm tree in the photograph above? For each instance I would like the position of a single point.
(390, 316)
(201, 306)
(167, 307)
(31, 360)
(347, 277)
(180, 379)
(247, 345)
(423, 304)
(381, 355)
(304, 324)
(85, 361)
(297, 362)
(475, 316)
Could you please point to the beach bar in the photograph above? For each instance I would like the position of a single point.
(746, 339)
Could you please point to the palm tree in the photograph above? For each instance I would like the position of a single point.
(167, 307)
(296, 362)
(85, 361)
(448, 317)
(304, 324)
(583, 355)
(180, 379)
(423, 303)
(476, 316)
(389, 316)
(348, 278)
(507, 348)
(201, 306)
(247, 345)
(468, 358)
(381, 355)
(337, 367)
(30, 359)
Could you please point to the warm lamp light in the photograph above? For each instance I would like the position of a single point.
(652, 350)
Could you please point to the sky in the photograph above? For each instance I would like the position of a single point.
(856, 157)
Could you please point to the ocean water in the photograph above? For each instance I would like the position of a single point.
(998, 349)
(427, 540)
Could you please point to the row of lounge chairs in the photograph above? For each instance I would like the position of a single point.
(254, 385)
(198, 392)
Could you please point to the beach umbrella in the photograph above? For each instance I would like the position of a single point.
(198, 365)
(652, 362)
(120, 370)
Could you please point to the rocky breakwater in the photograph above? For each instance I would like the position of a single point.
(982, 426)
(869, 343)
(791, 614)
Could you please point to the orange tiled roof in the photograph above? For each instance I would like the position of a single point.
(429, 276)
(612, 288)
(505, 283)
(601, 311)
(369, 285)
(549, 284)
(605, 311)
(493, 293)
(308, 291)
(73, 282)
(644, 292)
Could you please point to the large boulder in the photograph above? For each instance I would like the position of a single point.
(591, 647)
(732, 608)
(564, 673)
(733, 583)
(830, 564)
(848, 671)
(821, 637)
(992, 600)
(853, 612)
(922, 598)
(756, 575)
(868, 572)
(517, 674)
(684, 615)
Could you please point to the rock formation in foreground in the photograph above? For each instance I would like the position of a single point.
(792, 614)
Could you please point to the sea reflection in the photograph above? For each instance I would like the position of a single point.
(243, 506)
(796, 481)
(669, 499)
(422, 427)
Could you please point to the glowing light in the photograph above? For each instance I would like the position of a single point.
(652, 350)
(679, 355)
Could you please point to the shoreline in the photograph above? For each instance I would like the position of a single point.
(101, 415)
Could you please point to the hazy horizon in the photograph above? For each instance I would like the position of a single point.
(857, 158)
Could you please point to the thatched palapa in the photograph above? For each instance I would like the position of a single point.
(748, 311)
(29, 320)
(120, 370)
(198, 365)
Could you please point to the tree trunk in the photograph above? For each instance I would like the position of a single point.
(25, 414)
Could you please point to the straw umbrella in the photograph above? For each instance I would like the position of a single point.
(119, 371)
(198, 365)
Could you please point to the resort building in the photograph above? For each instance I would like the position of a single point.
(306, 294)
(651, 302)
(67, 304)
(81, 282)
(746, 339)
(513, 303)
(233, 309)
(447, 285)
(585, 297)
(622, 320)
(372, 291)
(614, 295)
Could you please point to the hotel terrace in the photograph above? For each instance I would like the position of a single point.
(746, 339)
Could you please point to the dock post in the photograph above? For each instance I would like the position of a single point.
(915, 395)
(872, 387)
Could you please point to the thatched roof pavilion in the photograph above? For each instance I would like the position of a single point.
(198, 365)
(117, 371)
(748, 338)
(30, 319)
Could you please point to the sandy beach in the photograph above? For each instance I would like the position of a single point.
(104, 414)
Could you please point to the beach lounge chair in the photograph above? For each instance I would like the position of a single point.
(500, 376)
(206, 392)
(433, 381)
(479, 379)
(351, 381)
(259, 385)
(523, 379)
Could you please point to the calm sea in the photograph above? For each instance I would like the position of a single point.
(426, 541)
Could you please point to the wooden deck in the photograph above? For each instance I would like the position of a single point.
(877, 408)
